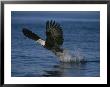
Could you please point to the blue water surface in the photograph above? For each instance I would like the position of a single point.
(81, 31)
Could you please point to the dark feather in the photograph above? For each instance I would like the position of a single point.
(54, 34)
(30, 34)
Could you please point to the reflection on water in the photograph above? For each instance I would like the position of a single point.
(61, 69)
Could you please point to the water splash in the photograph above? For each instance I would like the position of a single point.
(67, 56)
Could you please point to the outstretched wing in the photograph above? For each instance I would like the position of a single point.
(54, 34)
(28, 33)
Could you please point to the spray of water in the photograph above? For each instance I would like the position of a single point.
(66, 56)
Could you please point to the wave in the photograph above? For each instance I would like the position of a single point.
(66, 56)
(76, 57)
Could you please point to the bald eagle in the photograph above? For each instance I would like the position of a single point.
(54, 40)
(54, 36)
